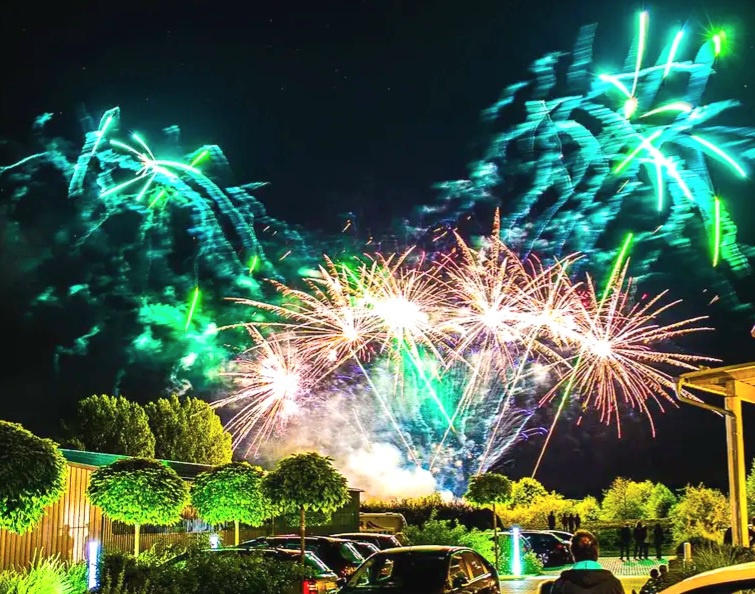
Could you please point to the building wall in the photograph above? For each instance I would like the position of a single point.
(69, 524)
(64, 530)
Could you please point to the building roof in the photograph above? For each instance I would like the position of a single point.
(186, 470)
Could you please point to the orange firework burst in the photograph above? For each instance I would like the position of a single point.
(618, 351)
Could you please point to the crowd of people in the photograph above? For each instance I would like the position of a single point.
(639, 537)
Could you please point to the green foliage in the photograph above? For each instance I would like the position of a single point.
(535, 516)
(750, 490)
(417, 510)
(306, 481)
(489, 489)
(448, 533)
(525, 491)
(113, 425)
(32, 476)
(138, 491)
(625, 499)
(188, 430)
(707, 557)
(201, 572)
(588, 509)
(700, 512)
(659, 502)
(46, 575)
(231, 493)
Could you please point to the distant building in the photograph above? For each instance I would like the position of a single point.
(70, 524)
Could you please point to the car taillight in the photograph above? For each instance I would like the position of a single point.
(560, 547)
(309, 587)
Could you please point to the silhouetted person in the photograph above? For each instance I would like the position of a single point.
(662, 577)
(551, 521)
(658, 537)
(640, 536)
(728, 538)
(565, 522)
(625, 541)
(577, 521)
(570, 520)
(586, 575)
(652, 585)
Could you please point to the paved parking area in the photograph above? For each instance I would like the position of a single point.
(622, 568)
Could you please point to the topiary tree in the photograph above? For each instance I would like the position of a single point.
(305, 482)
(490, 489)
(189, 430)
(138, 491)
(231, 493)
(113, 425)
(32, 476)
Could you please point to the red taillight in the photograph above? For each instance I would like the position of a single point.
(309, 587)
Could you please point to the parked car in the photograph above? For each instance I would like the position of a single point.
(324, 580)
(565, 536)
(550, 548)
(338, 554)
(424, 570)
(366, 549)
(381, 541)
(734, 579)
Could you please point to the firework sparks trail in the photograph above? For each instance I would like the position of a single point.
(497, 318)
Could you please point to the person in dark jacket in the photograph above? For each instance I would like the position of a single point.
(586, 576)
(565, 521)
(570, 519)
(551, 521)
(658, 537)
(625, 542)
(640, 536)
(577, 521)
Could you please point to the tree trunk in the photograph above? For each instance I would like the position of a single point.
(236, 533)
(495, 537)
(136, 539)
(302, 530)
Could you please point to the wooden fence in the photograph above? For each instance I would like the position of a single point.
(65, 529)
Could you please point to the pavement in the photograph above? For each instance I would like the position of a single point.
(633, 574)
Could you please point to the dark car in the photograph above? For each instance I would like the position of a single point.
(338, 554)
(424, 570)
(550, 548)
(366, 549)
(381, 541)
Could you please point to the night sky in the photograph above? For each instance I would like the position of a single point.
(358, 105)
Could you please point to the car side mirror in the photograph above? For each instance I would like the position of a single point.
(459, 581)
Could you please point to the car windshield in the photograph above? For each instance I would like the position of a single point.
(350, 553)
(413, 572)
(316, 563)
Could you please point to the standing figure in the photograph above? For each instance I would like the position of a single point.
(640, 535)
(658, 538)
(565, 521)
(577, 521)
(625, 541)
(570, 521)
(551, 521)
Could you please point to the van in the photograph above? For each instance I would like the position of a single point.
(384, 523)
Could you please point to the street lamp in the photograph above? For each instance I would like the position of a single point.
(736, 384)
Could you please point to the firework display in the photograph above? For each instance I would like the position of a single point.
(433, 351)
(627, 149)
(464, 341)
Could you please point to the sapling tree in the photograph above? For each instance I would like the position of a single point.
(490, 489)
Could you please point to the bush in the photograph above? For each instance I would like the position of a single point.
(706, 556)
(46, 575)
(417, 511)
(449, 533)
(198, 572)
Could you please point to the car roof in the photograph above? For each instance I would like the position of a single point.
(362, 534)
(733, 573)
(306, 538)
(424, 549)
